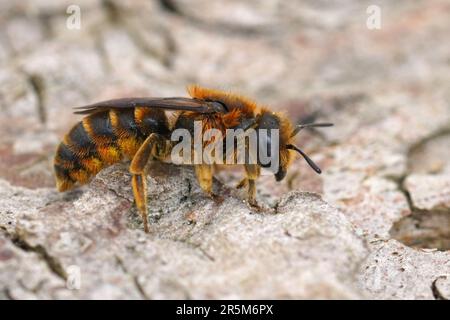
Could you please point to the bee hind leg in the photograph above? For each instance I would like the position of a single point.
(157, 146)
(139, 185)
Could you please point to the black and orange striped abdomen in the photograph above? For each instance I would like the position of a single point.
(102, 139)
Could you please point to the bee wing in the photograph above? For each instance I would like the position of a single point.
(181, 104)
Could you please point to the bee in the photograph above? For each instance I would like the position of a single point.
(138, 129)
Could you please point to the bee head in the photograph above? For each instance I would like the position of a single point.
(278, 126)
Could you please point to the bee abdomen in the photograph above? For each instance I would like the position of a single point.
(65, 163)
(129, 136)
(89, 147)
(102, 139)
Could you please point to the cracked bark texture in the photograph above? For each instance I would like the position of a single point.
(374, 225)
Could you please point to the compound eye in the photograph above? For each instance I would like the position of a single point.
(266, 156)
(264, 144)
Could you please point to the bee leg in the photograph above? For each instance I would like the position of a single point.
(155, 145)
(253, 171)
(139, 185)
(242, 183)
(204, 174)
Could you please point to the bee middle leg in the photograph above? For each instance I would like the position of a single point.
(157, 146)
(204, 173)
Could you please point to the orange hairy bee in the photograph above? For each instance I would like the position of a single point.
(139, 129)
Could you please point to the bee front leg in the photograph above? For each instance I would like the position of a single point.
(157, 146)
(242, 183)
(252, 171)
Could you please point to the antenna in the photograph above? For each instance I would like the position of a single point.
(308, 159)
(299, 127)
